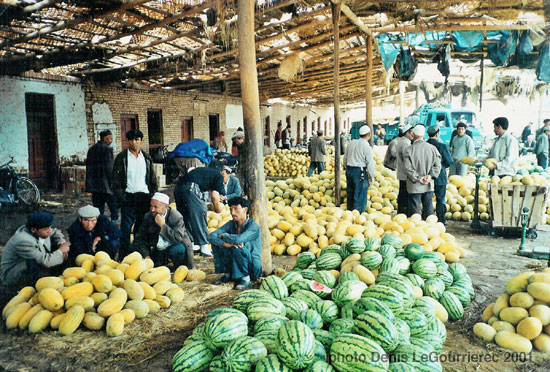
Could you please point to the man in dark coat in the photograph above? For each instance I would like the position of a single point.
(317, 151)
(93, 232)
(440, 183)
(99, 174)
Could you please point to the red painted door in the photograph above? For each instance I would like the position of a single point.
(127, 122)
(186, 128)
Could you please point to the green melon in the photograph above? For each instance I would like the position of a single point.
(414, 251)
(240, 355)
(295, 344)
(195, 356)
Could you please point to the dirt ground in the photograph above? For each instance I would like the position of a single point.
(150, 343)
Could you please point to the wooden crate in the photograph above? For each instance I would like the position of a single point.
(508, 201)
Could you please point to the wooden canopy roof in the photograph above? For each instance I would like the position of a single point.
(192, 44)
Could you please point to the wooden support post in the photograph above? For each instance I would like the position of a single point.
(481, 84)
(369, 88)
(254, 172)
(417, 97)
(336, 26)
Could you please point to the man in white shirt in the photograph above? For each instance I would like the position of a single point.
(505, 150)
(134, 181)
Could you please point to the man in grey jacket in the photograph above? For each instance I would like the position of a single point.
(461, 146)
(359, 164)
(403, 143)
(32, 251)
(317, 151)
(422, 164)
(541, 148)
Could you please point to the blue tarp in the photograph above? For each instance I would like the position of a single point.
(543, 67)
(467, 41)
(388, 51)
(196, 148)
(499, 52)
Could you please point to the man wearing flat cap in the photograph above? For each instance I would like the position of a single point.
(99, 174)
(35, 250)
(162, 235)
(422, 164)
(359, 163)
(93, 232)
(505, 150)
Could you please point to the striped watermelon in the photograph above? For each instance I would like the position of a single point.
(300, 284)
(347, 292)
(462, 295)
(372, 304)
(393, 240)
(346, 312)
(216, 365)
(327, 309)
(320, 352)
(290, 277)
(434, 339)
(271, 363)
(415, 320)
(347, 275)
(403, 286)
(387, 251)
(377, 328)
(424, 344)
(329, 261)
(441, 265)
(325, 337)
(452, 304)
(264, 307)
(294, 306)
(425, 268)
(269, 339)
(354, 246)
(355, 353)
(308, 297)
(420, 359)
(465, 283)
(197, 335)
(414, 251)
(320, 289)
(341, 326)
(195, 356)
(308, 273)
(400, 252)
(333, 248)
(432, 256)
(222, 329)
(241, 354)
(270, 323)
(401, 367)
(426, 307)
(415, 280)
(434, 288)
(245, 298)
(438, 326)
(325, 277)
(446, 277)
(392, 298)
(319, 366)
(390, 265)
(457, 270)
(304, 259)
(372, 244)
(371, 260)
(404, 265)
(295, 344)
(227, 310)
(403, 330)
(311, 318)
(392, 276)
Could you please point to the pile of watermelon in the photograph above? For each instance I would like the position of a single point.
(370, 305)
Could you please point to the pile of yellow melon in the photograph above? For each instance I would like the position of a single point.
(293, 162)
(98, 293)
(520, 317)
(460, 198)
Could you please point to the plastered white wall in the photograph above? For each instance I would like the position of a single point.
(70, 119)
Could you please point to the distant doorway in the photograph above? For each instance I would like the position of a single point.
(186, 128)
(154, 129)
(127, 122)
(214, 125)
(42, 140)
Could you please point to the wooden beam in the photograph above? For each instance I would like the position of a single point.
(449, 28)
(336, 86)
(254, 167)
(39, 5)
(368, 87)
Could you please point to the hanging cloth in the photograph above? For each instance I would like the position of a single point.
(543, 67)
(407, 65)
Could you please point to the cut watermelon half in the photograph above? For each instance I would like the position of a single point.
(318, 287)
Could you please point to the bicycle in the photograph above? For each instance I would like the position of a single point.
(15, 188)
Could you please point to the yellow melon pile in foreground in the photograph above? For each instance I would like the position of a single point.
(519, 319)
(99, 293)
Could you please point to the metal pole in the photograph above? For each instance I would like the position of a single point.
(254, 173)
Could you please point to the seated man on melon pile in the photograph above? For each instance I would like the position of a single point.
(237, 247)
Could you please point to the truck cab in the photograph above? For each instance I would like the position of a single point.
(447, 118)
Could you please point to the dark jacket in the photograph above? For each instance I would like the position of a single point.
(233, 188)
(317, 150)
(81, 241)
(99, 168)
(446, 160)
(120, 174)
(173, 231)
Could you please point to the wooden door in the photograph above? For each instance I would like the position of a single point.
(42, 140)
(214, 125)
(186, 128)
(127, 122)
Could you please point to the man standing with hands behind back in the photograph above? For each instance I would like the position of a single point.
(359, 164)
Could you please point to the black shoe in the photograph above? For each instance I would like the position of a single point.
(224, 279)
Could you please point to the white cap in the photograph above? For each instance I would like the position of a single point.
(238, 134)
(227, 169)
(163, 198)
(419, 130)
(88, 211)
(364, 130)
(405, 128)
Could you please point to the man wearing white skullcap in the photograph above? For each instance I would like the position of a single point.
(359, 164)
(422, 164)
(162, 235)
(93, 232)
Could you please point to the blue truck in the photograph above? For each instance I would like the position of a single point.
(392, 130)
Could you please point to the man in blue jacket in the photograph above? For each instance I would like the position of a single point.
(237, 247)
(440, 184)
(93, 232)
(231, 184)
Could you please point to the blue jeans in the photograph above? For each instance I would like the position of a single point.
(132, 210)
(542, 160)
(440, 207)
(193, 209)
(427, 205)
(238, 262)
(356, 189)
(319, 165)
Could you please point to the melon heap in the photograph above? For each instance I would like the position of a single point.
(99, 293)
(353, 308)
(520, 317)
(293, 162)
